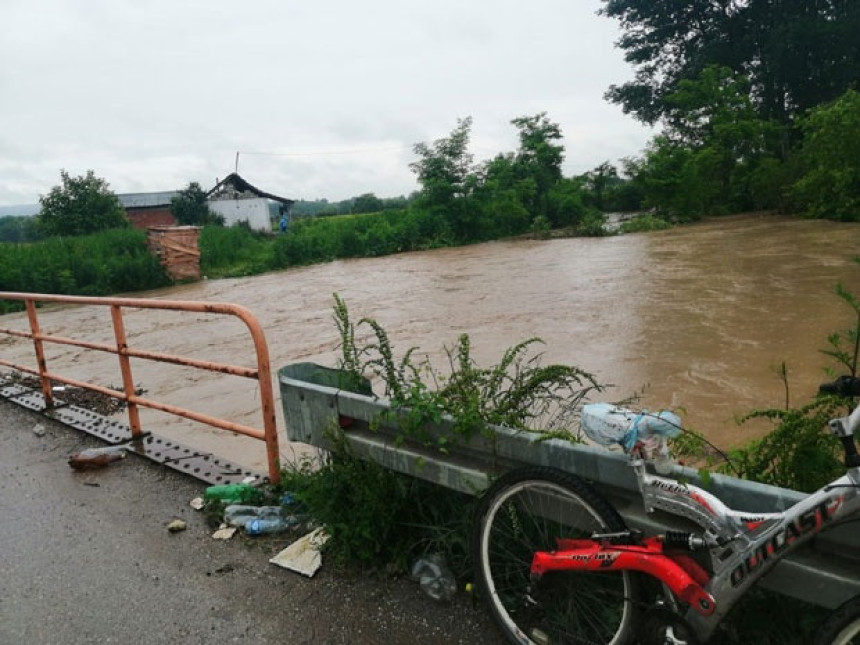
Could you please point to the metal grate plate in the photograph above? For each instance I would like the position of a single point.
(200, 465)
(91, 423)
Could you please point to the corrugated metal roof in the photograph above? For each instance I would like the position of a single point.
(147, 200)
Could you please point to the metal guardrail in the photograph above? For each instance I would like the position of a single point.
(261, 372)
(826, 572)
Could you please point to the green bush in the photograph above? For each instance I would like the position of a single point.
(233, 251)
(381, 519)
(644, 223)
(829, 185)
(100, 264)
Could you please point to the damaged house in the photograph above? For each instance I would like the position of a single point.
(236, 200)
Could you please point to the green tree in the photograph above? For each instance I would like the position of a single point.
(597, 184)
(189, 208)
(81, 205)
(829, 185)
(367, 203)
(712, 146)
(444, 168)
(538, 159)
(797, 53)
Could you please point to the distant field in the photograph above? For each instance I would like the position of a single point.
(20, 209)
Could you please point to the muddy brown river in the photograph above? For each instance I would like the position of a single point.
(698, 318)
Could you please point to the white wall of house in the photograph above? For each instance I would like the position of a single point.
(255, 211)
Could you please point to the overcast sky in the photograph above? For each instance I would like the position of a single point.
(321, 98)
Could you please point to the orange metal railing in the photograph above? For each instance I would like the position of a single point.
(261, 373)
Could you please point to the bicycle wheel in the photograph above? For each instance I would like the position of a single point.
(843, 625)
(523, 512)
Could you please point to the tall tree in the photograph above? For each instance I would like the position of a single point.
(797, 53)
(79, 206)
(538, 158)
(189, 207)
(829, 185)
(444, 168)
(597, 182)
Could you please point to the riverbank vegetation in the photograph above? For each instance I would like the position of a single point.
(771, 122)
(110, 262)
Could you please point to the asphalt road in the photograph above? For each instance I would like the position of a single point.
(86, 558)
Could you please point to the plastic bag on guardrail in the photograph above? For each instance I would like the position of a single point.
(608, 424)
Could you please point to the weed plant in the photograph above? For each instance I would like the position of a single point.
(234, 251)
(383, 519)
(380, 520)
(519, 392)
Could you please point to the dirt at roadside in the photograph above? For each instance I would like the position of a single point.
(87, 559)
(94, 401)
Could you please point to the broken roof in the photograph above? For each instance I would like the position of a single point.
(238, 184)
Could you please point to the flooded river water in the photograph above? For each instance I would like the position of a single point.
(698, 317)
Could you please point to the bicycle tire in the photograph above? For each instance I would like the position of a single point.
(523, 512)
(842, 627)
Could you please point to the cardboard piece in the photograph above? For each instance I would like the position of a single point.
(303, 556)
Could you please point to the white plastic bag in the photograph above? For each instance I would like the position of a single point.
(607, 425)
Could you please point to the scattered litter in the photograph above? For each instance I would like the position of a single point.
(177, 525)
(240, 514)
(197, 503)
(39, 430)
(227, 568)
(303, 556)
(434, 576)
(267, 525)
(93, 484)
(250, 479)
(233, 494)
(224, 532)
(58, 388)
(93, 458)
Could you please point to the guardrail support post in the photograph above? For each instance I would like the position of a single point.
(47, 392)
(125, 369)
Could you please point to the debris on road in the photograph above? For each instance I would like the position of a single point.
(177, 525)
(224, 532)
(94, 458)
(303, 556)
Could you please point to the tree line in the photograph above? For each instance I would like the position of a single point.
(758, 106)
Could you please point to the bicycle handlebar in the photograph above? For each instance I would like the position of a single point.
(843, 386)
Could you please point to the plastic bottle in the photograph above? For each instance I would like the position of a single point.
(266, 525)
(434, 576)
(233, 494)
(239, 515)
(93, 458)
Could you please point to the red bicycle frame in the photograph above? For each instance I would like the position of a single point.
(678, 571)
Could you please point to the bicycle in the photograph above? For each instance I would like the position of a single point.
(557, 564)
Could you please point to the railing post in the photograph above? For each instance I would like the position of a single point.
(125, 369)
(42, 364)
(264, 378)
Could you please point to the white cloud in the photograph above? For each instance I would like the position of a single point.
(154, 94)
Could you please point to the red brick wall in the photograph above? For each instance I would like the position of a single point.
(147, 217)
